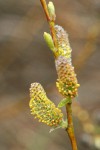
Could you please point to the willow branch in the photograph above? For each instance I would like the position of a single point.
(51, 21)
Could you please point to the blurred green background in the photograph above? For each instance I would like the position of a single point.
(25, 58)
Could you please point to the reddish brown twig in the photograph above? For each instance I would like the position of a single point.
(70, 128)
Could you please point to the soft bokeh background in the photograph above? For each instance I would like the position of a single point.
(25, 58)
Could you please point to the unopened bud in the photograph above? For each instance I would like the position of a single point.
(51, 10)
(49, 41)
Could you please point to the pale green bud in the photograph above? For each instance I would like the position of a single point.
(49, 41)
(51, 10)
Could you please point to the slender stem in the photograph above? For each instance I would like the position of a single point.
(44, 5)
(70, 128)
(50, 21)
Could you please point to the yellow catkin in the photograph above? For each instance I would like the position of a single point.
(42, 108)
(67, 83)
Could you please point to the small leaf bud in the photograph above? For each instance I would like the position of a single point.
(51, 10)
(49, 41)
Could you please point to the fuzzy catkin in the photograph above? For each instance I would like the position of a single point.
(64, 48)
(67, 83)
(42, 108)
